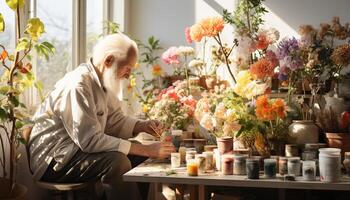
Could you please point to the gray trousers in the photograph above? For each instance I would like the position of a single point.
(108, 167)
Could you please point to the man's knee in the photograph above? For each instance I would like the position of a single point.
(119, 163)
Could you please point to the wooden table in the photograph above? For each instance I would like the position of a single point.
(159, 172)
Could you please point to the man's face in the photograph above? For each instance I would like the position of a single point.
(124, 71)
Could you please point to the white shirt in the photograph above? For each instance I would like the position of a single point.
(78, 114)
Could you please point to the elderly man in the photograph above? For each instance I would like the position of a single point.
(80, 133)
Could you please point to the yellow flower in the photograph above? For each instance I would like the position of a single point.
(145, 108)
(243, 79)
(157, 70)
(137, 66)
(133, 81)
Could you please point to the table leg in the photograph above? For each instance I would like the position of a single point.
(281, 194)
(202, 193)
(193, 191)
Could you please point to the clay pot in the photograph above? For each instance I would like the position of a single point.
(225, 144)
(305, 131)
(346, 162)
(339, 140)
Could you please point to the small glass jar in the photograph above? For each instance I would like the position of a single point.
(239, 165)
(252, 168)
(283, 165)
(346, 163)
(199, 144)
(261, 162)
(182, 151)
(217, 159)
(277, 162)
(309, 170)
(309, 155)
(176, 138)
(291, 150)
(209, 159)
(227, 164)
(210, 147)
(294, 166)
(190, 154)
(175, 160)
(192, 167)
(270, 168)
(201, 163)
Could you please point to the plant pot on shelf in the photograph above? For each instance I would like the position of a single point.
(304, 131)
(225, 144)
(339, 140)
(207, 82)
(19, 191)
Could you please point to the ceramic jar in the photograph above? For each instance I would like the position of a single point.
(225, 144)
(304, 131)
(346, 162)
(330, 164)
(270, 168)
(252, 168)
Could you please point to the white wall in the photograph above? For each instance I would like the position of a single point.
(167, 19)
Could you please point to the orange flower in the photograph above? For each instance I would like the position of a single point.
(208, 27)
(157, 70)
(262, 68)
(262, 42)
(280, 108)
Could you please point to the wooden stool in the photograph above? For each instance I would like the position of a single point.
(70, 191)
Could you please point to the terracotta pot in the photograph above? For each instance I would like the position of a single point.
(304, 131)
(225, 144)
(339, 140)
(19, 192)
(207, 82)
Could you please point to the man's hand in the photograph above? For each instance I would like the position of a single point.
(160, 150)
(146, 126)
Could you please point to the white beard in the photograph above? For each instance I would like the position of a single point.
(112, 84)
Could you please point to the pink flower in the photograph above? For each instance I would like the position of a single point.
(170, 56)
(187, 35)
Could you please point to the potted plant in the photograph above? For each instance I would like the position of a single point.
(16, 78)
(336, 128)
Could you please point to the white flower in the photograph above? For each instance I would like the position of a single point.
(220, 111)
(208, 122)
(272, 35)
(230, 127)
(196, 63)
(254, 89)
(185, 51)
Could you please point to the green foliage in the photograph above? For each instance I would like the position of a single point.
(23, 44)
(111, 27)
(45, 49)
(34, 28)
(148, 56)
(247, 18)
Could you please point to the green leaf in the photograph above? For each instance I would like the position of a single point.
(19, 124)
(13, 4)
(35, 28)
(23, 44)
(3, 114)
(4, 89)
(22, 140)
(15, 101)
(2, 23)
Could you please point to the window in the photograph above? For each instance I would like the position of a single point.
(94, 24)
(8, 37)
(57, 17)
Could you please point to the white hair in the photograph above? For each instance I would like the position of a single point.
(118, 45)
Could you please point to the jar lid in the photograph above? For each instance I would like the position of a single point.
(175, 154)
(252, 160)
(176, 132)
(332, 151)
(269, 160)
(294, 159)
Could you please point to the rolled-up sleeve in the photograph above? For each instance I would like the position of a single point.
(78, 114)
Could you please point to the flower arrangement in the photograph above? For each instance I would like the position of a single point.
(174, 107)
(211, 27)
